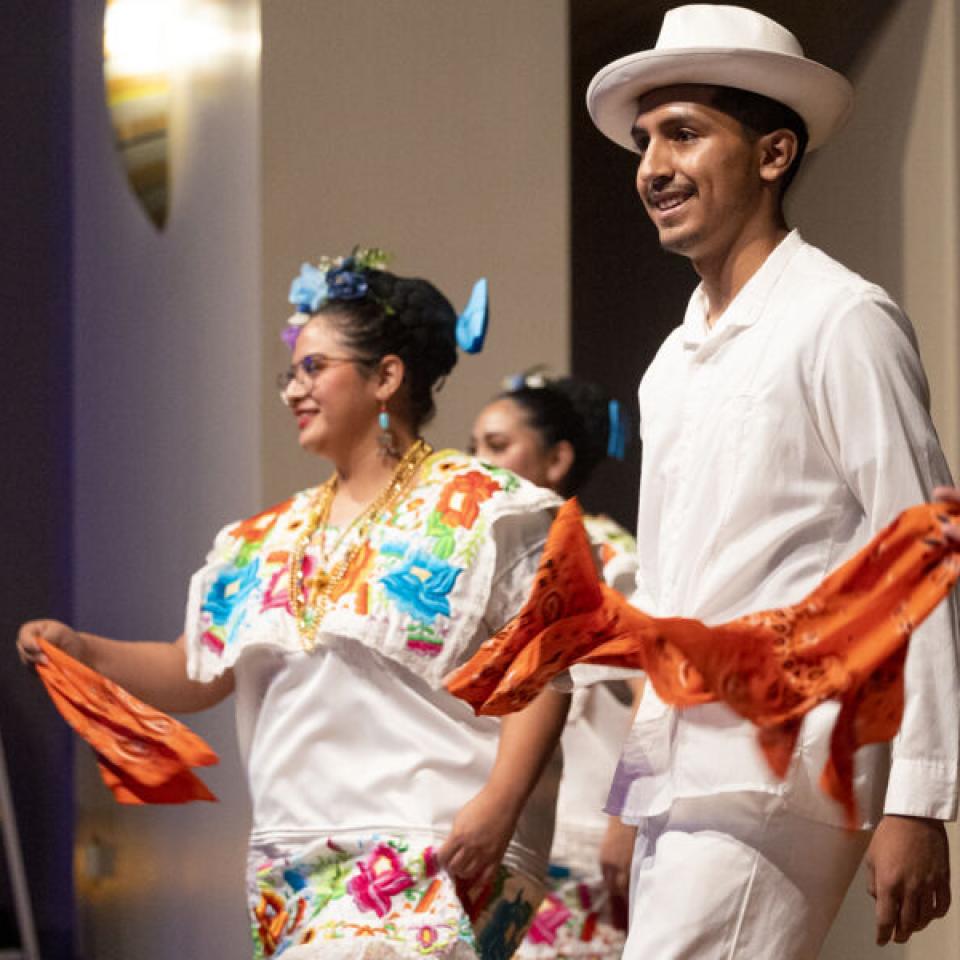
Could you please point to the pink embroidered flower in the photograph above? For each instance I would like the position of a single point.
(426, 937)
(551, 916)
(377, 879)
(212, 642)
(277, 593)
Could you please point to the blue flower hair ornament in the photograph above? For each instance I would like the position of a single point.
(345, 279)
(309, 290)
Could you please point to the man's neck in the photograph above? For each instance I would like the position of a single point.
(725, 276)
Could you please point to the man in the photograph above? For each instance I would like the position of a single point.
(784, 423)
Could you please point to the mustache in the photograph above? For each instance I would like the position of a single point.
(657, 192)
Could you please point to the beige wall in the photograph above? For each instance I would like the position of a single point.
(437, 130)
(167, 450)
(885, 198)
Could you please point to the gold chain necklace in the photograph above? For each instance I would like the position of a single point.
(307, 616)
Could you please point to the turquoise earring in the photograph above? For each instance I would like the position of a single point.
(386, 440)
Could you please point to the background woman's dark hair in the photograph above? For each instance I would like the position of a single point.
(573, 410)
(408, 317)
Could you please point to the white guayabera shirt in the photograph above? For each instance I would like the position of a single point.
(774, 446)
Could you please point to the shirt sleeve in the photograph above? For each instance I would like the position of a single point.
(872, 404)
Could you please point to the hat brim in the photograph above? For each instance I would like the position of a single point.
(822, 97)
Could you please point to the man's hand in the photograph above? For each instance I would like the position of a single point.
(951, 531)
(908, 874)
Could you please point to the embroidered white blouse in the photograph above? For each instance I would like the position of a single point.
(359, 735)
(774, 446)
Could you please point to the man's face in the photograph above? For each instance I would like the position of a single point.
(699, 172)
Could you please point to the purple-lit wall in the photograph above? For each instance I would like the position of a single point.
(35, 424)
(167, 399)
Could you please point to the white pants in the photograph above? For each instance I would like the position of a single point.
(737, 877)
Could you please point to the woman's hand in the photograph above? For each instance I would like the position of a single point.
(482, 829)
(616, 856)
(55, 633)
(478, 839)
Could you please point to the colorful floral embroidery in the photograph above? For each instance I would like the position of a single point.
(575, 922)
(385, 888)
(407, 585)
(225, 602)
(609, 536)
(551, 916)
(277, 594)
(420, 585)
(253, 531)
(377, 879)
(422, 638)
(459, 504)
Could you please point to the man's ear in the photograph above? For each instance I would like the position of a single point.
(777, 151)
(560, 459)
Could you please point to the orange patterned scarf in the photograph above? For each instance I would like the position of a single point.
(144, 756)
(846, 641)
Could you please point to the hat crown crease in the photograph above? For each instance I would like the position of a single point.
(720, 27)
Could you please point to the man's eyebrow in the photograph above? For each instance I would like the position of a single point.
(681, 118)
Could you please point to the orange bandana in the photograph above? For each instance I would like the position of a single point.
(846, 641)
(144, 756)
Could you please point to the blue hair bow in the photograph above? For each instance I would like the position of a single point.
(616, 431)
(472, 323)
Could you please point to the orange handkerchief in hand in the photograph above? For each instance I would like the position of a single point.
(144, 755)
(847, 641)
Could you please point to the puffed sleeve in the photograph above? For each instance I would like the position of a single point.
(520, 539)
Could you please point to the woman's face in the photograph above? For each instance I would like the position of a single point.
(502, 435)
(335, 405)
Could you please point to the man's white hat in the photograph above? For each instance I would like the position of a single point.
(721, 46)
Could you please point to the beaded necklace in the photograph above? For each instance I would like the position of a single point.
(308, 617)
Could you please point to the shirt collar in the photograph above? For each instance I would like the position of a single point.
(747, 306)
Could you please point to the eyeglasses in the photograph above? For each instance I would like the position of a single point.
(306, 371)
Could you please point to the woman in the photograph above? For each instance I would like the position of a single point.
(554, 433)
(388, 821)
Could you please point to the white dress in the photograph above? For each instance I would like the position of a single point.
(357, 759)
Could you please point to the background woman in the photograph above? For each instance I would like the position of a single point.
(388, 821)
(554, 433)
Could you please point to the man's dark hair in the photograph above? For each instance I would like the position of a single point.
(761, 115)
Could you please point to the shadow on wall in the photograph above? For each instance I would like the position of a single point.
(626, 293)
(850, 197)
